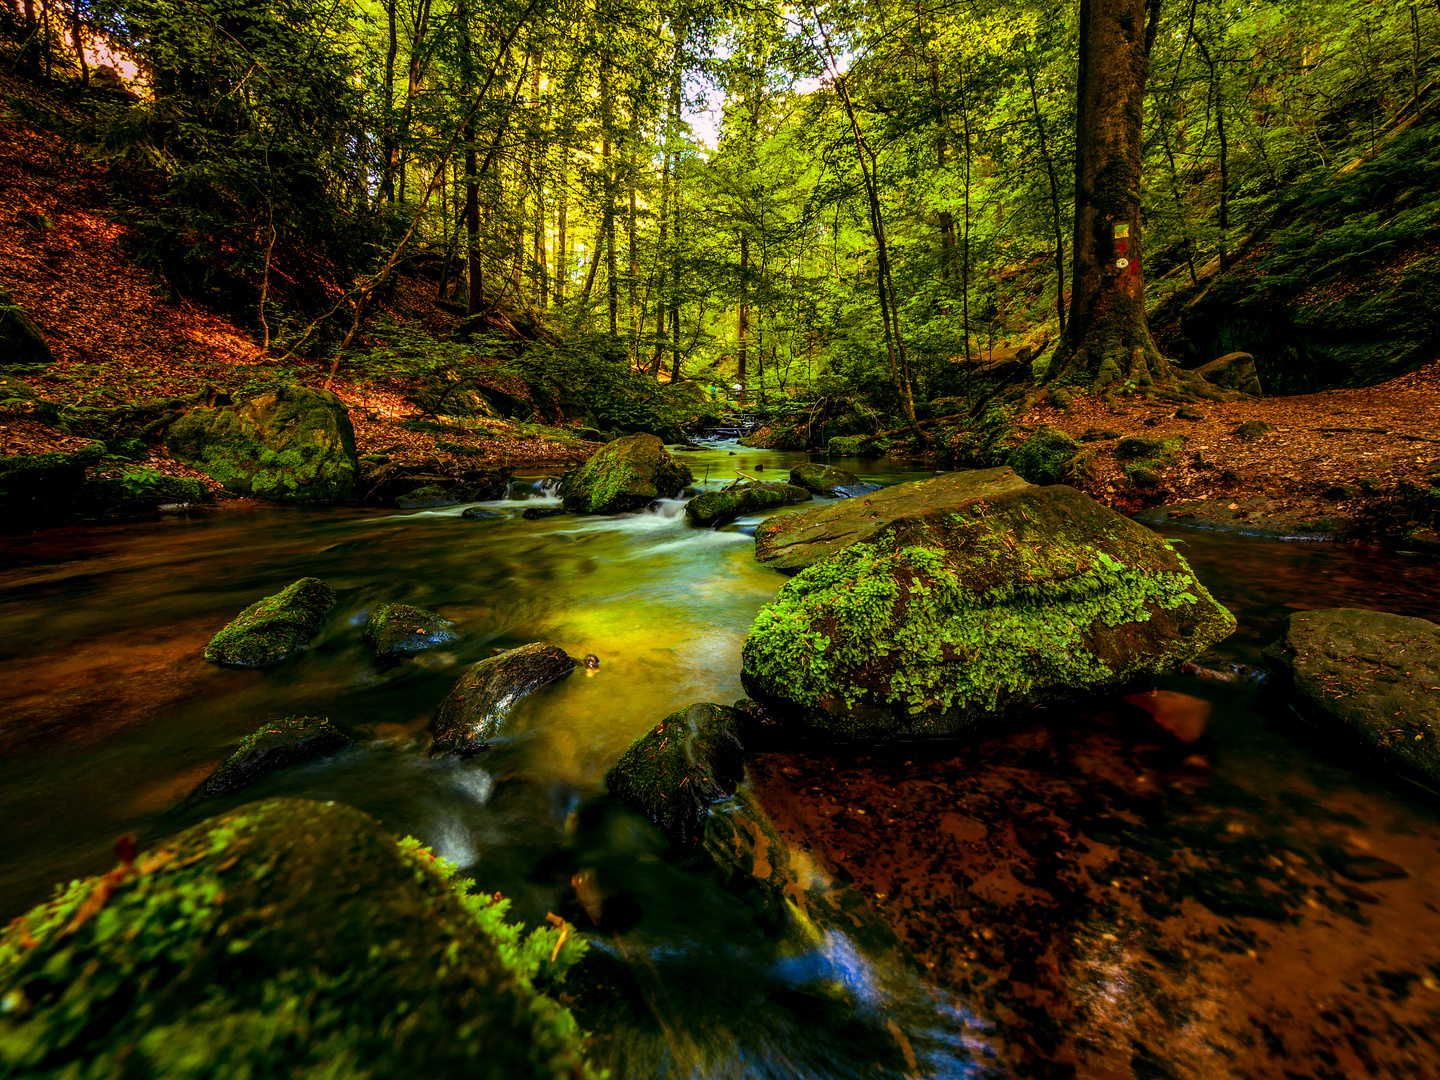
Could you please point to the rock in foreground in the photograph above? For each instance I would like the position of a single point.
(287, 938)
(291, 741)
(271, 629)
(674, 772)
(394, 629)
(474, 710)
(292, 445)
(1375, 674)
(627, 474)
(792, 541)
(941, 619)
(718, 507)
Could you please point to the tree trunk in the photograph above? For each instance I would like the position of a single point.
(474, 289)
(743, 329)
(1054, 194)
(612, 285)
(387, 121)
(79, 42)
(1108, 339)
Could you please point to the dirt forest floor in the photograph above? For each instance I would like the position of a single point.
(117, 337)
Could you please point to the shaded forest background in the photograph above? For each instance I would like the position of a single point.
(649, 205)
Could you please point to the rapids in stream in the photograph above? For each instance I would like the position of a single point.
(112, 718)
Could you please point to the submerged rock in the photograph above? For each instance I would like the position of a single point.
(535, 513)
(943, 618)
(474, 710)
(291, 445)
(792, 541)
(286, 938)
(271, 629)
(828, 480)
(624, 475)
(1372, 674)
(478, 512)
(673, 773)
(286, 742)
(399, 628)
(718, 507)
(426, 497)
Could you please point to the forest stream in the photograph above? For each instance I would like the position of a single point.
(1080, 896)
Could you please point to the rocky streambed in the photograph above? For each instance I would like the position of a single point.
(991, 786)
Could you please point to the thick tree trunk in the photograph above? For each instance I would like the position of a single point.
(474, 290)
(1108, 339)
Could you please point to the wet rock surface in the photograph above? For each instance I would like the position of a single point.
(394, 629)
(946, 619)
(1114, 908)
(673, 773)
(285, 938)
(718, 507)
(475, 710)
(1371, 675)
(795, 540)
(291, 741)
(426, 483)
(625, 475)
(828, 480)
(271, 629)
(291, 445)
(1255, 515)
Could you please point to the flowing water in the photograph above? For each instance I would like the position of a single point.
(109, 717)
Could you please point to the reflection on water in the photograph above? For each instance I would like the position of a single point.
(108, 717)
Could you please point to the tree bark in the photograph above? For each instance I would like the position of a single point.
(1108, 339)
(743, 326)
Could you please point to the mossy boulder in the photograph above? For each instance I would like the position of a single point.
(291, 741)
(473, 712)
(1138, 448)
(718, 507)
(286, 939)
(624, 475)
(1373, 676)
(1252, 430)
(944, 618)
(35, 488)
(271, 629)
(798, 539)
(291, 445)
(1233, 371)
(393, 629)
(1046, 457)
(674, 772)
(426, 497)
(778, 436)
(828, 480)
(22, 346)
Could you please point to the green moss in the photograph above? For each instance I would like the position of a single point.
(271, 629)
(718, 507)
(674, 772)
(624, 475)
(401, 628)
(292, 445)
(844, 446)
(1252, 430)
(287, 938)
(1045, 457)
(1140, 449)
(947, 615)
(280, 743)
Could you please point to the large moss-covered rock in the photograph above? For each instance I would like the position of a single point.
(952, 615)
(828, 480)
(1372, 675)
(1233, 371)
(674, 772)
(473, 712)
(795, 540)
(1046, 457)
(718, 507)
(41, 487)
(393, 629)
(627, 474)
(291, 445)
(271, 629)
(285, 939)
(291, 741)
(22, 346)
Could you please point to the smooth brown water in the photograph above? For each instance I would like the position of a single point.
(109, 717)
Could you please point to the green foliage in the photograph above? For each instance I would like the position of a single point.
(1046, 457)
